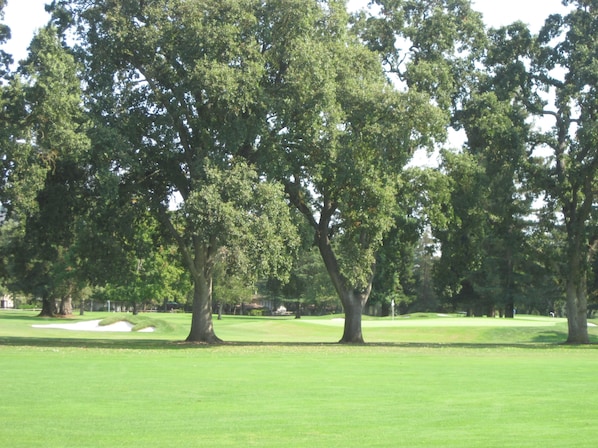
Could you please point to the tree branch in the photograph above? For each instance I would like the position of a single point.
(165, 219)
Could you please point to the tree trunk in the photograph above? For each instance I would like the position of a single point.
(577, 308)
(510, 309)
(48, 307)
(510, 305)
(199, 263)
(66, 306)
(202, 327)
(353, 305)
(353, 301)
(577, 302)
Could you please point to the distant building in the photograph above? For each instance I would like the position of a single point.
(6, 302)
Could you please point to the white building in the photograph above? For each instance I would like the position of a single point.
(6, 302)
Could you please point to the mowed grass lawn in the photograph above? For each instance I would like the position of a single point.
(424, 381)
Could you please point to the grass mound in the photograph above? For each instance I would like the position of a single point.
(139, 322)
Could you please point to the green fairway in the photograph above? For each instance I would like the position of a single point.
(422, 381)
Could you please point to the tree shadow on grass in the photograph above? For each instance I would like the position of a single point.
(558, 337)
(32, 316)
(148, 344)
(550, 337)
(547, 342)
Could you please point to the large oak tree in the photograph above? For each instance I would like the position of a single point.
(565, 65)
(339, 136)
(174, 88)
(187, 89)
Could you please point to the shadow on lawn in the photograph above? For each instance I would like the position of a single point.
(558, 337)
(550, 337)
(556, 340)
(8, 316)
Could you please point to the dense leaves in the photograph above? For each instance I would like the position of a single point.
(565, 65)
(44, 171)
(177, 83)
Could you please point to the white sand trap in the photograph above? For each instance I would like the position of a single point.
(94, 325)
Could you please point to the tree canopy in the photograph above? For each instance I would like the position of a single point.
(174, 91)
(564, 64)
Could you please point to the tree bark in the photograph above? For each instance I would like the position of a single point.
(48, 307)
(578, 202)
(66, 306)
(202, 327)
(510, 309)
(199, 262)
(510, 305)
(353, 305)
(353, 301)
(577, 303)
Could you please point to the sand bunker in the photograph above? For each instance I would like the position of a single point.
(94, 325)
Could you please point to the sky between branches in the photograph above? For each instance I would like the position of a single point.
(26, 16)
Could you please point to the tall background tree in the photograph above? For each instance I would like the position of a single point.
(5, 137)
(565, 65)
(5, 58)
(45, 171)
(339, 136)
(483, 250)
(346, 137)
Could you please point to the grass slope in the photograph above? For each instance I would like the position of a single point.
(449, 382)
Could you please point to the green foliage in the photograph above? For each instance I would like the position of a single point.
(175, 89)
(43, 122)
(231, 287)
(23, 171)
(431, 46)
(339, 135)
(5, 58)
(564, 62)
(43, 175)
(244, 216)
(483, 246)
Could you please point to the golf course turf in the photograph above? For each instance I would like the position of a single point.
(424, 380)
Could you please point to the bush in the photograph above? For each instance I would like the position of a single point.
(27, 306)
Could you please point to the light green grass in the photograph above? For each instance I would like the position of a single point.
(471, 383)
